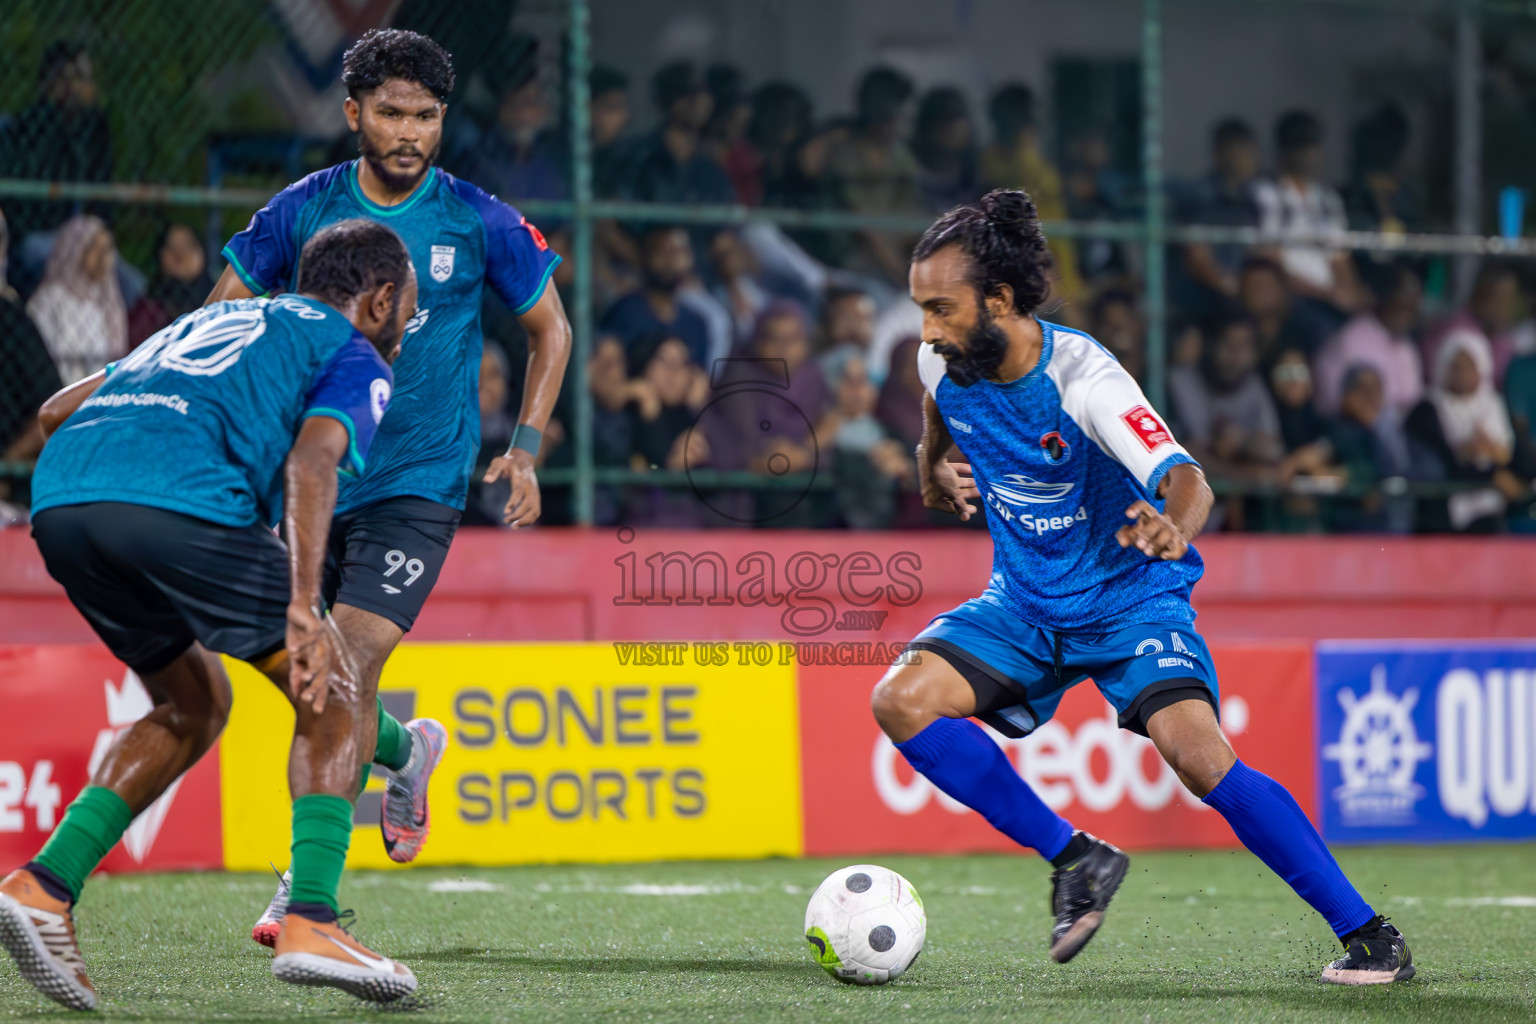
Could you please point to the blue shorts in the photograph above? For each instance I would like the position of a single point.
(1020, 671)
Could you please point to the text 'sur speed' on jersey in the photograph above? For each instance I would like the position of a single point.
(1058, 456)
(459, 238)
(200, 418)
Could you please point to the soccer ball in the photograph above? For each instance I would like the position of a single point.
(865, 924)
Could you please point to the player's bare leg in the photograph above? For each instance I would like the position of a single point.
(1268, 821)
(192, 700)
(323, 767)
(924, 706)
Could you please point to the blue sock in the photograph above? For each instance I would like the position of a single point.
(1268, 821)
(955, 755)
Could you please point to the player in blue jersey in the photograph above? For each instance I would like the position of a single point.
(151, 506)
(393, 526)
(1092, 505)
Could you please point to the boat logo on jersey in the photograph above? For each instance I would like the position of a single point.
(1149, 430)
(442, 263)
(1018, 489)
(1056, 448)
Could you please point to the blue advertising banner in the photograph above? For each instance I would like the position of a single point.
(1430, 741)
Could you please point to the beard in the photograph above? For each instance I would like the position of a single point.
(396, 183)
(985, 348)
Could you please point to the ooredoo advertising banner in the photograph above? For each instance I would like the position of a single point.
(1426, 741)
(561, 752)
(861, 797)
(63, 707)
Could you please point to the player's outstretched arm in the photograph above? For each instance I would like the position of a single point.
(64, 402)
(946, 486)
(1167, 534)
(549, 350)
(229, 287)
(309, 481)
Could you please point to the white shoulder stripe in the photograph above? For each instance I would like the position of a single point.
(930, 368)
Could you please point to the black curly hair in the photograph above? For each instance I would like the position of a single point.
(351, 257)
(385, 53)
(1002, 236)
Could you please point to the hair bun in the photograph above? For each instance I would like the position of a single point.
(1010, 209)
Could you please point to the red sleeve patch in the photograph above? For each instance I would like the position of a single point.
(1149, 430)
(538, 236)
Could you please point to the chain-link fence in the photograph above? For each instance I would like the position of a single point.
(800, 181)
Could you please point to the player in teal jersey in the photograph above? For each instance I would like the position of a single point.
(394, 525)
(151, 506)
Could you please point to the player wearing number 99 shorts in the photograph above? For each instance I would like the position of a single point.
(393, 527)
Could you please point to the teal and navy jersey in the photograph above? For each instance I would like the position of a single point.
(1058, 456)
(460, 239)
(199, 419)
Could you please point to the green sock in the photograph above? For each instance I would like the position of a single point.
(393, 747)
(362, 781)
(322, 831)
(92, 826)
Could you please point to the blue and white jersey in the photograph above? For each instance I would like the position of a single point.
(1058, 456)
(199, 419)
(460, 240)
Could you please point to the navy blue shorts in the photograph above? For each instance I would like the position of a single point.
(385, 557)
(150, 581)
(1020, 671)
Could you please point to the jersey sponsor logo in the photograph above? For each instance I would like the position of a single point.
(1149, 430)
(1056, 448)
(418, 321)
(1018, 489)
(964, 428)
(442, 263)
(1039, 525)
(538, 236)
(378, 398)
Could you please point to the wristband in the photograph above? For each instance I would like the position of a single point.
(527, 439)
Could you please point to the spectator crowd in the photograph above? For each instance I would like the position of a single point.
(1322, 388)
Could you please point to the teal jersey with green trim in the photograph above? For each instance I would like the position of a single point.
(460, 240)
(200, 418)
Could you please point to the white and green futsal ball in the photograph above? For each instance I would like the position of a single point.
(866, 925)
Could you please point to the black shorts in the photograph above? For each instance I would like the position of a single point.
(385, 558)
(150, 581)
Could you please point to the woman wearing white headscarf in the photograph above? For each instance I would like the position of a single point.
(78, 308)
(1464, 424)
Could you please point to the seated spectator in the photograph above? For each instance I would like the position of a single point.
(1369, 445)
(1490, 313)
(27, 375)
(1264, 296)
(869, 463)
(736, 287)
(1381, 338)
(78, 308)
(900, 409)
(780, 125)
(669, 390)
(666, 265)
(725, 134)
(1091, 197)
(1014, 160)
(1464, 427)
(944, 143)
(1290, 381)
(1226, 416)
(486, 501)
(872, 171)
(1222, 198)
(612, 150)
(1118, 326)
(847, 327)
(180, 283)
(1520, 398)
(1378, 197)
(522, 156)
(671, 165)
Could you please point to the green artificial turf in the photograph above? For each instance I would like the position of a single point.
(1191, 936)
